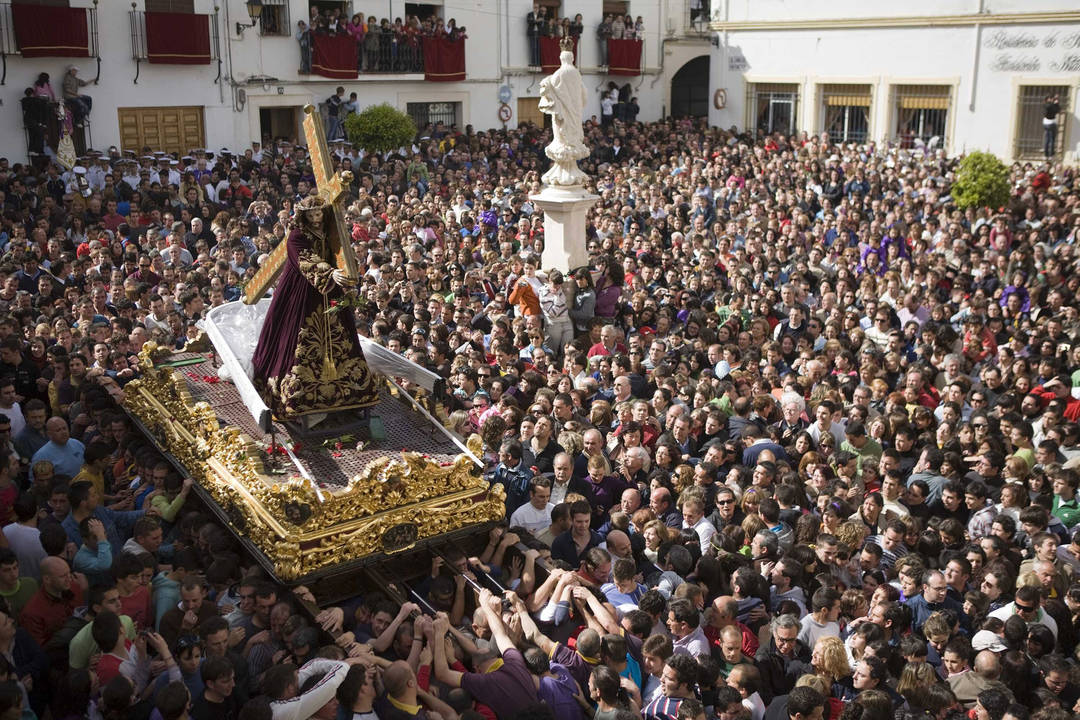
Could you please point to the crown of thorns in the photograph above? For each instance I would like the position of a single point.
(311, 202)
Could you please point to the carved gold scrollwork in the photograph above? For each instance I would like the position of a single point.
(300, 529)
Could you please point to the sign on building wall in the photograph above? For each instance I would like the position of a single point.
(736, 61)
(1026, 51)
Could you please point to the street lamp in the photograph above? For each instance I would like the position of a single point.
(254, 10)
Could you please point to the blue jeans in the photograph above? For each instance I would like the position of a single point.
(333, 128)
(1050, 139)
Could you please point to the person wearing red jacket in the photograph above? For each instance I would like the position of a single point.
(1059, 389)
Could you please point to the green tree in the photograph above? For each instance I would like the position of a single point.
(380, 128)
(982, 180)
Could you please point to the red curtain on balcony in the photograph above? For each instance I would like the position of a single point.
(177, 38)
(624, 57)
(549, 53)
(444, 59)
(335, 56)
(51, 31)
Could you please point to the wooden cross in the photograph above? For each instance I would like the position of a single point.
(333, 189)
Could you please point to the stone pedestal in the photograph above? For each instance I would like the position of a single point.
(564, 225)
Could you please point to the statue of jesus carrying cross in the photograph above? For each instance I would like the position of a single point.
(308, 359)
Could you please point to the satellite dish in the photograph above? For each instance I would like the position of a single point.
(505, 94)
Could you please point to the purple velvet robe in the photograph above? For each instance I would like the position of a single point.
(308, 360)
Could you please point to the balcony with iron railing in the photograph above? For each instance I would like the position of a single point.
(48, 31)
(141, 51)
(381, 56)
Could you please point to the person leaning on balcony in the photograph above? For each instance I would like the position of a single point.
(603, 34)
(303, 36)
(533, 33)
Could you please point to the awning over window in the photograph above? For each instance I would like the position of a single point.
(848, 100)
(924, 103)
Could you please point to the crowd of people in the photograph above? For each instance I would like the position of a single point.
(540, 24)
(798, 442)
(382, 46)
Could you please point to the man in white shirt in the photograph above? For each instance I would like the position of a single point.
(693, 510)
(1028, 606)
(10, 408)
(823, 423)
(746, 678)
(891, 488)
(535, 515)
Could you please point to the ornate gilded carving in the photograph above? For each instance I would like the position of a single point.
(301, 528)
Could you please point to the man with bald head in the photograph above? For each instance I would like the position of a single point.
(630, 502)
(660, 502)
(968, 684)
(53, 603)
(618, 544)
(723, 614)
(63, 451)
(404, 696)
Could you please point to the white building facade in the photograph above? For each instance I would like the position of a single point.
(959, 74)
(252, 89)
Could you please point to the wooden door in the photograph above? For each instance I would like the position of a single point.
(171, 129)
(528, 110)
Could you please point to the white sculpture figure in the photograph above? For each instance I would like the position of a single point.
(563, 96)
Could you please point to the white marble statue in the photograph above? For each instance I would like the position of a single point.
(563, 96)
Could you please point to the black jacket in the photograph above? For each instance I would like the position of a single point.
(779, 673)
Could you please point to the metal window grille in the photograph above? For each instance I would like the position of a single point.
(922, 115)
(379, 53)
(275, 18)
(445, 112)
(846, 110)
(137, 19)
(8, 44)
(772, 107)
(1031, 133)
(137, 24)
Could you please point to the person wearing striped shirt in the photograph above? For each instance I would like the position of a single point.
(891, 543)
(677, 682)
